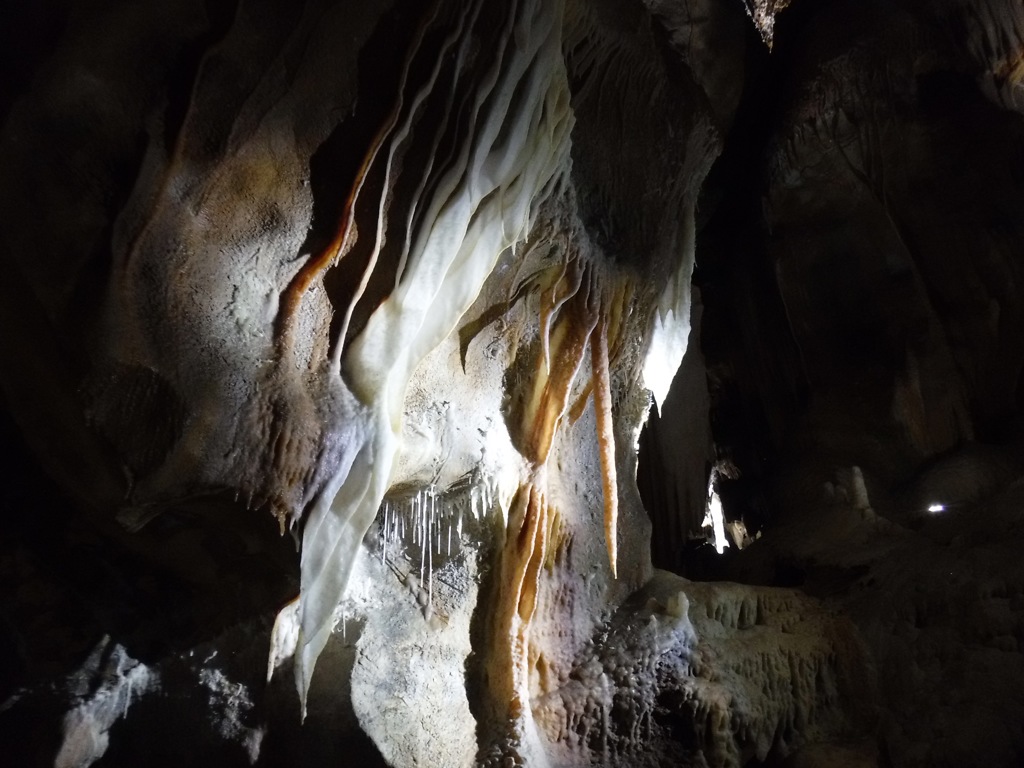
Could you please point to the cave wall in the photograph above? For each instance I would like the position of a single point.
(229, 383)
(871, 311)
(861, 329)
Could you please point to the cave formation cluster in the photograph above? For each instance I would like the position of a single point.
(373, 373)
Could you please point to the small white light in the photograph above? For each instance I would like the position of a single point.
(934, 508)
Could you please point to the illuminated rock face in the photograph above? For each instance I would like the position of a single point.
(398, 286)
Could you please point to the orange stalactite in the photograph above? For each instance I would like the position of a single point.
(605, 435)
(347, 232)
(553, 298)
(339, 246)
(577, 310)
(552, 388)
(520, 564)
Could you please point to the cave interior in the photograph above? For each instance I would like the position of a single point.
(522, 383)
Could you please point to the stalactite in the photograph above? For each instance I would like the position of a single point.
(548, 400)
(347, 232)
(605, 436)
(585, 306)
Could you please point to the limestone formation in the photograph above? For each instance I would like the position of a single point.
(332, 330)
